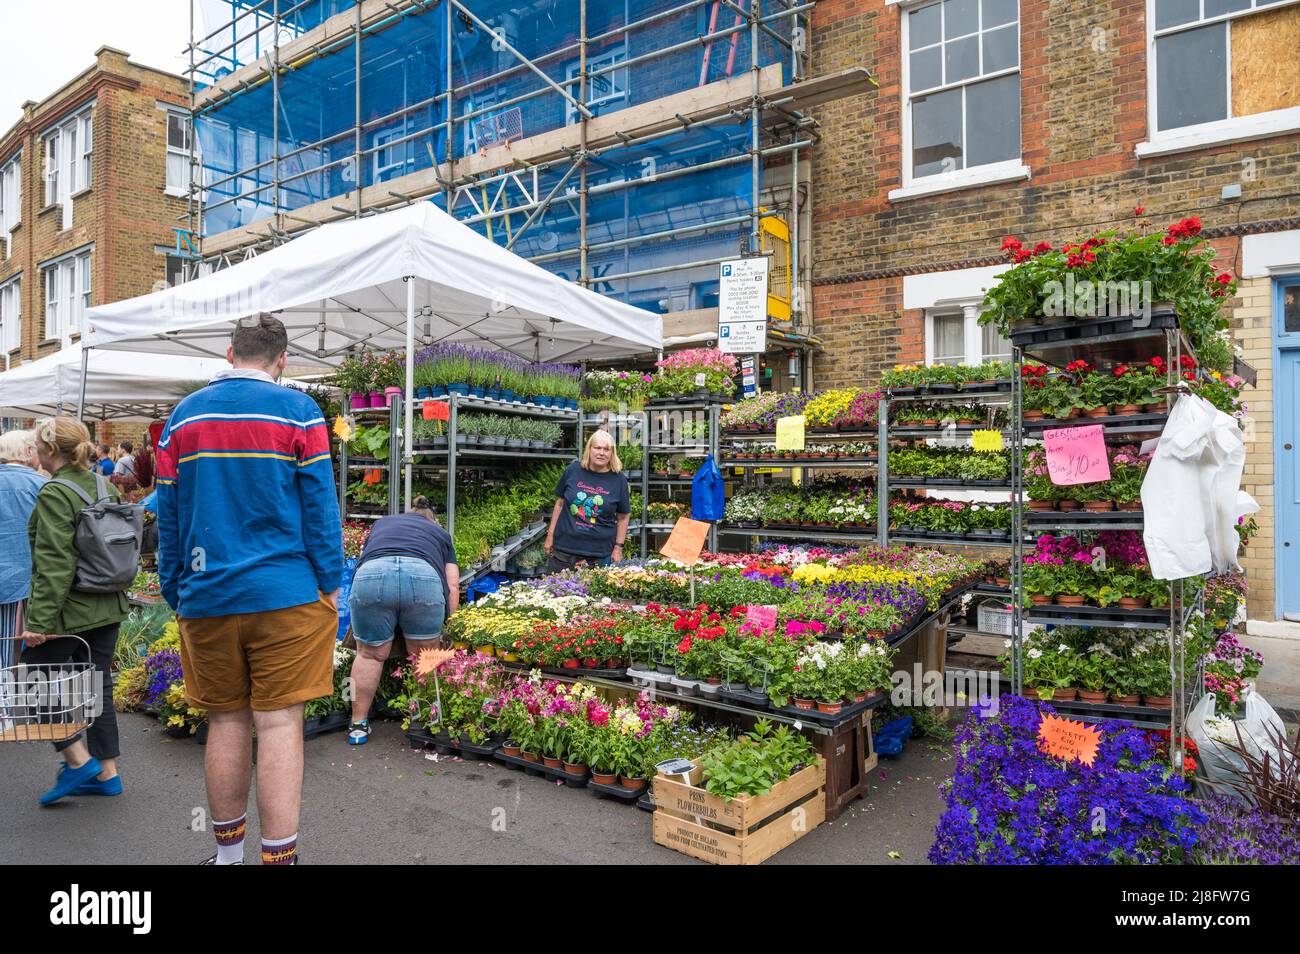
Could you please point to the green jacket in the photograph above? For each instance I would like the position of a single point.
(54, 607)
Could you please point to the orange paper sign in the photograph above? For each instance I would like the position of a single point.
(1068, 739)
(435, 411)
(686, 541)
(373, 476)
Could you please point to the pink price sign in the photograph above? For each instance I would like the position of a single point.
(764, 617)
(1076, 455)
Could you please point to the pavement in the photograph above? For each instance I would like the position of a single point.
(383, 803)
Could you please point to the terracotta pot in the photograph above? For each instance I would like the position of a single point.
(1099, 506)
(1067, 506)
(713, 680)
(875, 634)
(604, 778)
(860, 697)
(1161, 408)
(1074, 412)
(930, 423)
(531, 756)
(578, 770)
(1160, 702)
(570, 664)
(1132, 700)
(591, 663)
(1039, 506)
(550, 762)
(1125, 409)
(1132, 602)
(511, 749)
(1033, 415)
(1088, 695)
(1001, 581)
(1069, 601)
(633, 784)
(1029, 693)
(830, 708)
(1134, 506)
(1064, 695)
(1097, 412)
(805, 704)
(1039, 599)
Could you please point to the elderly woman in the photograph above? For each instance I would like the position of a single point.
(19, 484)
(56, 608)
(592, 509)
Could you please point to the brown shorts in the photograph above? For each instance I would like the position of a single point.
(272, 660)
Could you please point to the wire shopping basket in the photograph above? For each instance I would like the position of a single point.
(49, 702)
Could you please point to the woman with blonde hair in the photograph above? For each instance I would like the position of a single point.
(19, 485)
(56, 608)
(592, 509)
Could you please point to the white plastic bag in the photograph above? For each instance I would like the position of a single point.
(1260, 729)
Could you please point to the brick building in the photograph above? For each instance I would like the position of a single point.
(1045, 119)
(92, 184)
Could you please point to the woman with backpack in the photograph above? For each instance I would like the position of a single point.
(56, 608)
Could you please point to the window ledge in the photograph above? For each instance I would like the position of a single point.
(50, 341)
(50, 208)
(177, 193)
(80, 192)
(1238, 129)
(965, 179)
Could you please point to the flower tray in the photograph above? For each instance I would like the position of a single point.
(1065, 332)
(847, 713)
(1153, 422)
(619, 673)
(617, 792)
(757, 700)
(540, 770)
(646, 802)
(327, 723)
(421, 738)
(1097, 615)
(1101, 520)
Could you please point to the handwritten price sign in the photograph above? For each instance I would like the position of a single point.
(1068, 739)
(1076, 455)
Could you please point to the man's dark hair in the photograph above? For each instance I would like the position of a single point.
(103, 449)
(127, 446)
(259, 338)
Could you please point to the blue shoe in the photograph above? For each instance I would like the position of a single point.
(112, 786)
(69, 778)
(359, 732)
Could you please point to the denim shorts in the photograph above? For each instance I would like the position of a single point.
(388, 592)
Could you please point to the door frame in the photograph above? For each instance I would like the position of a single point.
(1289, 343)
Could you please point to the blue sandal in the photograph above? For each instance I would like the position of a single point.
(359, 732)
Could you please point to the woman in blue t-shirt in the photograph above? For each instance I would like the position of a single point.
(592, 509)
(407, 577)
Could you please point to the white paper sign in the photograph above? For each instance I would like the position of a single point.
(742, 306)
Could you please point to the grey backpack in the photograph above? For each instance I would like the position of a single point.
(107, 541)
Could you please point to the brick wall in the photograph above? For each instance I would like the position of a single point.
(125, 213)
(1083, 110)
(1254, 317)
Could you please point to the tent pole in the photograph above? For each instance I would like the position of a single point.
(410, 386)
(81, 391)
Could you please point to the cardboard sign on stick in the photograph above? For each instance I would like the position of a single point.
(686, 541)
(1068, 739)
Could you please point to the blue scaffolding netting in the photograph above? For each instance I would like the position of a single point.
(337, 117)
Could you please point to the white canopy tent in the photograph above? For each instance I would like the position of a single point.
(407, 278)
(120, 386)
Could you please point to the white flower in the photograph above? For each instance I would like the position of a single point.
(1034, 654)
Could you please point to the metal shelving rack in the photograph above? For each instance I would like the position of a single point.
(656, 431)
(1102, 344)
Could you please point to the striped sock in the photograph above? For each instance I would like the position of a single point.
(280, 851)
(230, 840)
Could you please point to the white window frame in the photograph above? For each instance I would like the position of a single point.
(973, 332)
(1009, 170)
(381, 142)
(69, 149)
(11, 197)
(182, 189)
(68, 283)
(618, 79)
(11, 314)
(1217, 132)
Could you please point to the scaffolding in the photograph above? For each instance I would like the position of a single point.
(622, 144)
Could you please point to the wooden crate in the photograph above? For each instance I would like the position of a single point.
(740, 831)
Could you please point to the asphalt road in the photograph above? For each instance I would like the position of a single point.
(384, 803)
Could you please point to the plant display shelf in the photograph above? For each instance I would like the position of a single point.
(470, 450)
(526, 409)
(905, 433)
(946, 483)
(1101, 342)
(815, 433)
(1147, 717)
(678, 448)
(999, 390)
(750, 463)
(497, 561)
(1120, 428)
(1081, 520)
(951, 539)
(823, 534)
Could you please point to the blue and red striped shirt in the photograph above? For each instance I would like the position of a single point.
(248, 516)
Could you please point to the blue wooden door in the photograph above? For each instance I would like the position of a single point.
(1286, 460)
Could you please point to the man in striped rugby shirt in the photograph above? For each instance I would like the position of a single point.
(250, 557)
